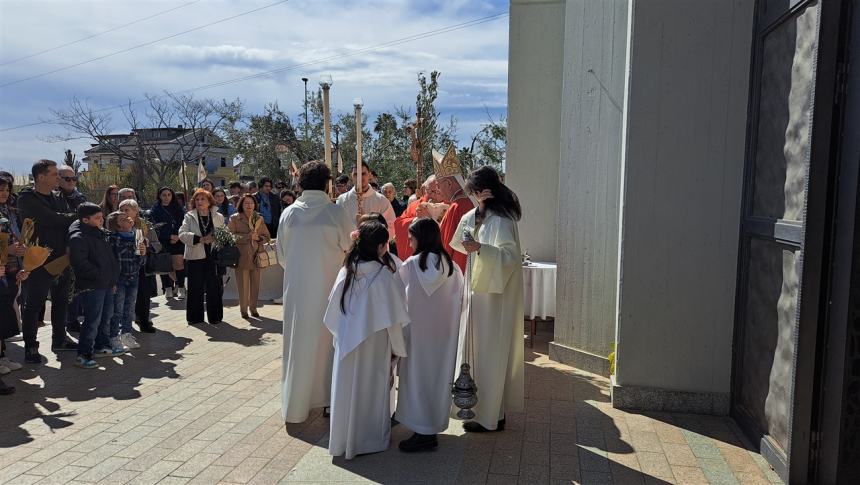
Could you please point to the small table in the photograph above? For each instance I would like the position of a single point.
(538, 294)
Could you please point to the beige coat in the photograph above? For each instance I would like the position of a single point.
(190, 228)
(240, 226)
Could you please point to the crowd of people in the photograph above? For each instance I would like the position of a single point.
(376, 288)
(99, 297)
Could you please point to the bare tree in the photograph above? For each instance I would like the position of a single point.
(171, 129)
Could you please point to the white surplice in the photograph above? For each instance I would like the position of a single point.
(365, 336)
(313, 235)
(496, 316)
(433, 299)
(371, 201)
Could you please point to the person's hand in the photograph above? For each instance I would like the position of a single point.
(255, 236)
(17, 249)
(21, 276)
(483, 196)
(422, 210)
(142, 249)
(173, 238)
(207, 239)
(471, 246)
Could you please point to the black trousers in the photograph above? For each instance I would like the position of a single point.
(204, 285)
(35, 292)
(145, 288)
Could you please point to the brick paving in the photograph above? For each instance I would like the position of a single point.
(202, 405)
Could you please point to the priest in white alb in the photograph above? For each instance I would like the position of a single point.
(313, 235)
(371, 200)
(493, 306)
(365, 315)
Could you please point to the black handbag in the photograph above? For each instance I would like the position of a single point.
(227, 256)
(158, 263)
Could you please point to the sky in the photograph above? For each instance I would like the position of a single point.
(307, 37)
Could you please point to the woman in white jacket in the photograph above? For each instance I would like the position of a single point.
(204, 283)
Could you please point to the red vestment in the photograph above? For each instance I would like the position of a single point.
(458, 209)
(401, 228)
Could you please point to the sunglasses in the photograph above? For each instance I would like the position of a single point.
(70, 179)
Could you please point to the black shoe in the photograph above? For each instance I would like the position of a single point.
(418, 442)
(74, 326)
(66, 345)
(195, 323)
(216, 322)
(6, 390)
(475, 427)
(143, 326)
(32, 355)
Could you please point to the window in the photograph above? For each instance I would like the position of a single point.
(223, 163)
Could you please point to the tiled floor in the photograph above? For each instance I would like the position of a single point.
(201, 405)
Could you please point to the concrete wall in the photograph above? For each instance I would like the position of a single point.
(534, 90)
(683, 173)
(595, 46)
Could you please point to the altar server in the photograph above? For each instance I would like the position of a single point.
(489, 234)
(365, 315)
(434, 291)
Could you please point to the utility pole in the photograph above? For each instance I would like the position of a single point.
(305, 80)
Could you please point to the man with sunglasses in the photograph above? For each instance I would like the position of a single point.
(69, 187)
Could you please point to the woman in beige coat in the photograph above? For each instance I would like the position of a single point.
(248, 224)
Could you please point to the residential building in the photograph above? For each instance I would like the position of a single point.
(174, 144)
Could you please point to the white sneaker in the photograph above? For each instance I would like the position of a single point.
(168, 293)
(4, 370)
(116, 343)
(129, 341)
(9, 364)
(180, 293)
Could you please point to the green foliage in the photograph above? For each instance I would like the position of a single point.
(611, 358)
(256, 144)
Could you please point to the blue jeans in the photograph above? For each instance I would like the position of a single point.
(98, 310)
(123, 305)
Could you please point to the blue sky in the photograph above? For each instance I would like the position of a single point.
(473, 61)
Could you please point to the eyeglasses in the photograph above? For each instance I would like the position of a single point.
(70, 179)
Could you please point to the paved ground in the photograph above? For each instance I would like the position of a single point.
(201, 405)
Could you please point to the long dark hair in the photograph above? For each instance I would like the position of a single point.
(426, 232)
(366, 248)
(504, 202)
(106, 205)
(223, 207)
(173, 208)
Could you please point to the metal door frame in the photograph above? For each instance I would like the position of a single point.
(810, 237)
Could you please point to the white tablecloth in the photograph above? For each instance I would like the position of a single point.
(539, 290)
(271, 284)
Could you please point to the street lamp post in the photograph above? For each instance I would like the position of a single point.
(305, 80)
(357, 103)
(325, 84)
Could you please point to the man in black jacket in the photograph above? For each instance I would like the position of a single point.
(69, 187)
(69, 191)
(51, 217)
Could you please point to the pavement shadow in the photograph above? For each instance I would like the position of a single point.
(226, 332)
(117, 378)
